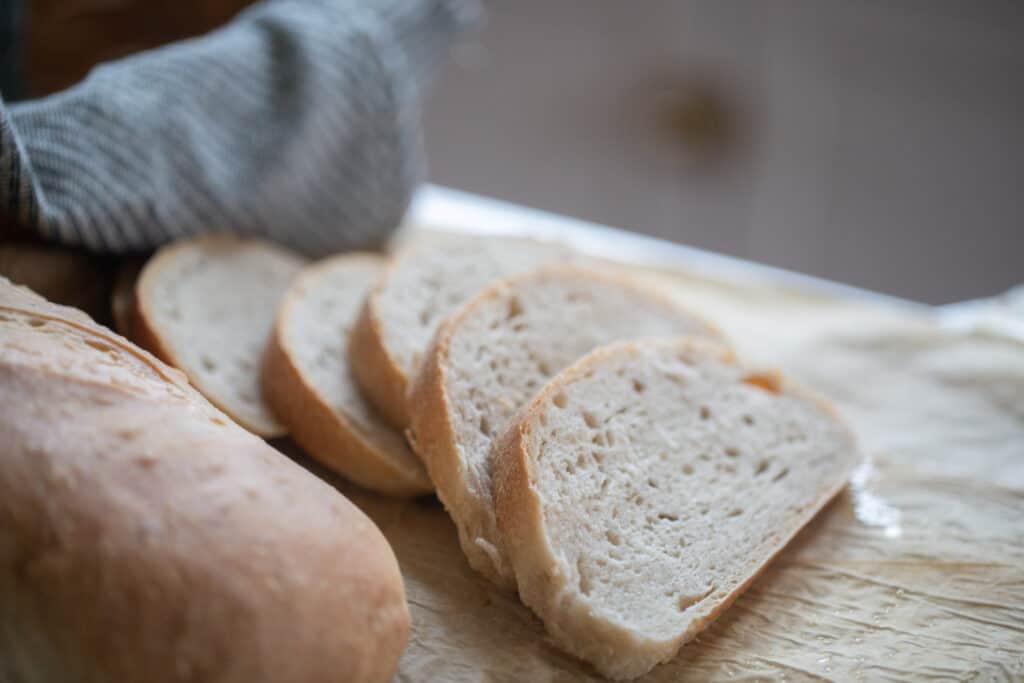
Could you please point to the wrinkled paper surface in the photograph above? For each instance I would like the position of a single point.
(915, 572)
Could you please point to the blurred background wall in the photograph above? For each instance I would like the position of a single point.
(872, 142)
(877, 143)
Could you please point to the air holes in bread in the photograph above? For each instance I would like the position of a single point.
(36, 322)
(781, 474)
(590, 419)
(687, 468)
(515, 307)
(560, 400)
(705, 413)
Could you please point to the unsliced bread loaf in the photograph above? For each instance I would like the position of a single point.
(647, 485)
(206, 306)
(307, 381)
(420, 288)
(145, 537)
(493, 355)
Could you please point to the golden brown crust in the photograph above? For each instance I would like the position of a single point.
(380, 377)
(164, 543)
(324, 432)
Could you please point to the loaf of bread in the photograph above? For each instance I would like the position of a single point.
(308, 383)
(421, 287)
(648, 484)
(146, 537)
(493, 355)
(206, 305)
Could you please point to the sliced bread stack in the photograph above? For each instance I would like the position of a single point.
(598, 447)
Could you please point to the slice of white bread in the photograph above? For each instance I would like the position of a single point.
(493, 355)
(647, 485)
(206, 306)
(422, 286)
(308, 384)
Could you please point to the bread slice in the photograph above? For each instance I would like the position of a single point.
(497, 351)
(206, 306)
(647, 485)
(423, 285)
(307, 381)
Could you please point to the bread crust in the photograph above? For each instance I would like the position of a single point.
(149, 538)
(381, 379)
(324, 432)
(146, 331)
(614, 650)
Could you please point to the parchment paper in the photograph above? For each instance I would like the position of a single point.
(916, 571)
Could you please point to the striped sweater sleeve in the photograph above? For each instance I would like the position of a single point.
(298, 121)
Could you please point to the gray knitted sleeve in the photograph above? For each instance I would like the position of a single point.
(298, 121)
